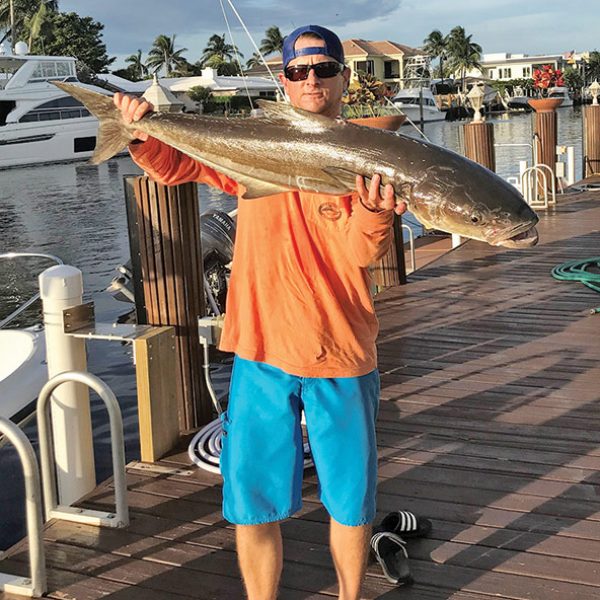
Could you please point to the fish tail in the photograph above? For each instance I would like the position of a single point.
(113, 135)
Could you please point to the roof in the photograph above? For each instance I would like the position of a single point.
(360, 47)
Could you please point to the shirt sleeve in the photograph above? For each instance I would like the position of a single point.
(370, 233)
(169, 166)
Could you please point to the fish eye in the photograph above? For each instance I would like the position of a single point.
(475, 218)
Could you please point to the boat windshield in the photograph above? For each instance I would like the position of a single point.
(44, 69)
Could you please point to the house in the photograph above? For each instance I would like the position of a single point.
(504, 66)
(220, 85)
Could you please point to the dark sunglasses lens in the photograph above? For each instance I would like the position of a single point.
(326, 70)
(297, 73)
(322, 70)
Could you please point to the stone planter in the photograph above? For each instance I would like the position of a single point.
(389, 122)
(544, 104)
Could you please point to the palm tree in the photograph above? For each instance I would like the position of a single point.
(435, 44)
(463, 53)
(163, 55)
(28, 14)
(137, 65)
(217, 52)
(272, 42)
(254, 61)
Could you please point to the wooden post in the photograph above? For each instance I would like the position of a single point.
(156, 379)
(545, 126)
(479, 143)
(391, 269)
(591, 140)
(170, 256)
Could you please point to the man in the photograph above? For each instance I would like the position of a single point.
(301, 323)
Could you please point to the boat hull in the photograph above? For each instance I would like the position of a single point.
(23, 370)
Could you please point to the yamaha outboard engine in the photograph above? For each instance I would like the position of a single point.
(217, 231)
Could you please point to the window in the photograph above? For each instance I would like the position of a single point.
(52, 70)
(391, 69)
(506, 73)
(366, 66)
(53, 110)
(526, 71)
(86, 144)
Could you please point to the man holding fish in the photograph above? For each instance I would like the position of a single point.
(300, 320)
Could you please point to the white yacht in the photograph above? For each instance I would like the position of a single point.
(409, 101)
(561, 92)
(38, 122)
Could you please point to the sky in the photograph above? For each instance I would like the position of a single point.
(514, 26)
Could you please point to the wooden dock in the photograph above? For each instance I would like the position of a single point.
(489, 425)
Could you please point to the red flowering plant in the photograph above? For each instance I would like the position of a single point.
(546, 78)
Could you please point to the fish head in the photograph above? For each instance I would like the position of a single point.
(472, 201)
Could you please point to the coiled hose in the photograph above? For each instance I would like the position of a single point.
(578, 270)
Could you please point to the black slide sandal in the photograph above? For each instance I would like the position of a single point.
(390, 552)
(405, 524)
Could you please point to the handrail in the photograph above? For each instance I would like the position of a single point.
(530, 192)
(411, 242)
(28, 303)
(35, 586)
(121, 518)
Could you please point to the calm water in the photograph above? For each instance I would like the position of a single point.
(77, 212)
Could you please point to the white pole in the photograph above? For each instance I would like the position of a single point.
(62, 287)
(524, 188)
(570, 165)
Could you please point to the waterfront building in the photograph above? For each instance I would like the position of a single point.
(504, 66)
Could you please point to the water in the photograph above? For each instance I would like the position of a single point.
(77, 212)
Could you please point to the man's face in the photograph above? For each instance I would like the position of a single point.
(321, 96)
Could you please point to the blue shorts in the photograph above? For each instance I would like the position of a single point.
(262, 450)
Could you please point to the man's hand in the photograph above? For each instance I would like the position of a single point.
(372, 200)
(133, 109)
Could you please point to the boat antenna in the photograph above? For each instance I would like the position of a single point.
(279, 89)
(237, 56)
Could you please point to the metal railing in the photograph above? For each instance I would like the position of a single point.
(36, 585)
(36, 296)
(411, 243)
(70, 513)
(530, 185)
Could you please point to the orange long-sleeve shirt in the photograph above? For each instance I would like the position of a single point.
(299, 296)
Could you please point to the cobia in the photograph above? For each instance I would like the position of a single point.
(289, 148)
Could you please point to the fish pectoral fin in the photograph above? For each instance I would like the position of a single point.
(255, 188)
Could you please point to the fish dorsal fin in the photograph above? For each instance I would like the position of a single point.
(297, 117)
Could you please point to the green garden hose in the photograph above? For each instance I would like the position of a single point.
(577, 270)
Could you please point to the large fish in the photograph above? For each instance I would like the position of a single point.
(289, 148)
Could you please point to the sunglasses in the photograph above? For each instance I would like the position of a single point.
(323, 70)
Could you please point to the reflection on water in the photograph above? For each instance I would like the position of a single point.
(77, 212)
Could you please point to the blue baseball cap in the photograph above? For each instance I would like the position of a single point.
(333, 45)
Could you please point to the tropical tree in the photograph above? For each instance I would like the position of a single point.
(28, 14)
(573, 78)
(272, 42)
(463, 53)
(136, 64)
(218, 51)
(592, 68)
(435, 45)
(254, 61)
(163, 55)
(72, 35)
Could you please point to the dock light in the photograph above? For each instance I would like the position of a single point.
(475, 97)
(594, 90)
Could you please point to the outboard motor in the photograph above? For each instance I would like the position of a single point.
(217, 230)
(217, 233)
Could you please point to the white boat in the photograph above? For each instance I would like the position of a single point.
(561, 92)
(23, 367)
(23, 370)
(409, 101)
(38, 122)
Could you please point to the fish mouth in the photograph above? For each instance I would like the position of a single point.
(522, 239)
